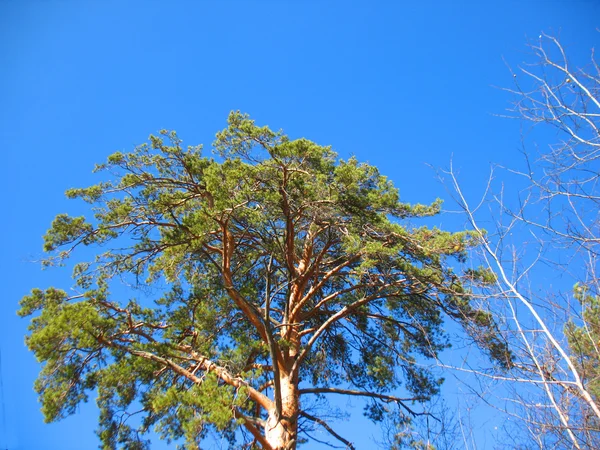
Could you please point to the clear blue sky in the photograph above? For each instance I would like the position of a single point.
(401, 84)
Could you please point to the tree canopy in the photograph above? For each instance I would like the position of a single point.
(228, 293)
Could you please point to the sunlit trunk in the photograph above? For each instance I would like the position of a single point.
(281, 434)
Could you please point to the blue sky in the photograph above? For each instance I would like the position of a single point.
(400, 84)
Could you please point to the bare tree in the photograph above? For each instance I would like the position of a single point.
(539, 224)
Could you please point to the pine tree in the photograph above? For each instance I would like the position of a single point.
(227, 292)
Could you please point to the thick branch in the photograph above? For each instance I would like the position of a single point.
(322, 281)
(204, 363)
(248, 424)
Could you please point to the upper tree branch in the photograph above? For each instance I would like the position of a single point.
(323, 280)
(249, 310)
(334, 318)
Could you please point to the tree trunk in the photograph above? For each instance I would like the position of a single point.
(281, 432)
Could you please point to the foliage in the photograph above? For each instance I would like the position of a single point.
(584, 339)
(269, 274)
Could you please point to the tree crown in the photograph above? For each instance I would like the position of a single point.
(277, 263)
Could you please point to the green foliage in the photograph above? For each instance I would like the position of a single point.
(584, 339)
(276, 260)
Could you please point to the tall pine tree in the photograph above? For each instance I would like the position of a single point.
(284, 273)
